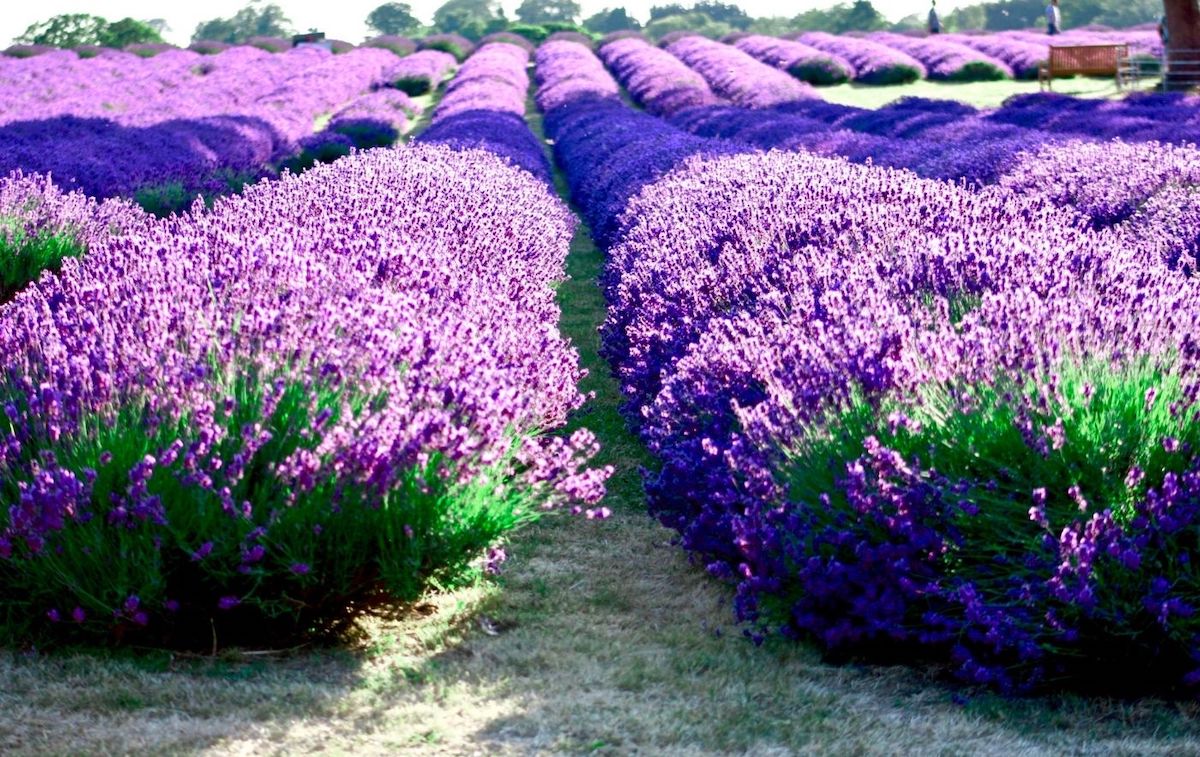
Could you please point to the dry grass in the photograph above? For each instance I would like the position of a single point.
(610, 644)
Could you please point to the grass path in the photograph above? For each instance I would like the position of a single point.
(600, 639)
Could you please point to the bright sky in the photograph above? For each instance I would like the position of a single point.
(343, 19)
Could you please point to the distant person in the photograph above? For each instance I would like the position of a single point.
(935, 23)
(1163, 33)
(1053, 18)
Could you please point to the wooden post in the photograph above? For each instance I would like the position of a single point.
(1183, 53)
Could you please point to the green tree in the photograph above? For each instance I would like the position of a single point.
(67, 30)
(860, 16)
(258, 19)
(393, 18)
(543, 11)
(724, 13)
(664, 11)
(687, 22)
(128, 31)
(470, 18)
(610, 20)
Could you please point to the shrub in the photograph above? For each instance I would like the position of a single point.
(510, 38)
(212, 437)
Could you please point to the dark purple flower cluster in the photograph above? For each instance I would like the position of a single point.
(798, 59)
(736, 76)
(946, 60)
(657, 80)
(422, 72)
(896, 411)
(484, 108)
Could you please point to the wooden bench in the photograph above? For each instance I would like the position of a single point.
(1084, 60)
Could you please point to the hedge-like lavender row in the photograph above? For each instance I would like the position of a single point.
(873, 63)
(261, 422)
(422, 72)
(194, 123)
(1024, 58)
(376, 119)
(657, 80)
(945, 60)
(800, 60)
(484, 108)
(736, 76)
(901, 413)
(1112, 184)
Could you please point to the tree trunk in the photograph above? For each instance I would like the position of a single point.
(1183, 49)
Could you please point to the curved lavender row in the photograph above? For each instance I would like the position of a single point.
(736, 76)
(1144, 118)
(945, 60)
(873, 63)
(427, 347)
(587, 77)
(798, 59)
(781, 354)
(173, 118)
(422, 72)
(657, 80)
(1024, 58)
(455, 44)
(484, 108)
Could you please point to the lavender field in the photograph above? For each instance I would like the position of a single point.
(596, 396)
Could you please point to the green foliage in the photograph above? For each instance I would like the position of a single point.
(361, 551)
(162, 200)
(257, 19)
(66, 31)
(471, 18)
(610, 20)
(393, 18)
(689, 22)
(859, 16)
(533, 33)
(724, 13)
(128, 31)
(1020, 14)
(772, 26)
(23, 257)
(544, 11)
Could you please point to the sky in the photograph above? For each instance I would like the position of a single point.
(343, 19)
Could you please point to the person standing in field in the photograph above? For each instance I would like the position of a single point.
(935, 23)
(1163, 33)
(1053, 18)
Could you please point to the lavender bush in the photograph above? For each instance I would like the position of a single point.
(401, 46)
(901, 414)
(338, 421)
(945, 60)
(455, 44)
(873, 63)
(657, 80)
(801, 61)
(422, 72)
(736, 76)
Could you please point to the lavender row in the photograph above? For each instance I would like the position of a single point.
(945, 60)
(800, 60)
(422, 72)
(657, 80)
(899, 412)
(174, 119)
(873, 63)
(736, 76)
(264, 417)
(484, 108)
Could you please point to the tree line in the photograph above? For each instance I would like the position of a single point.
(538, 18)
